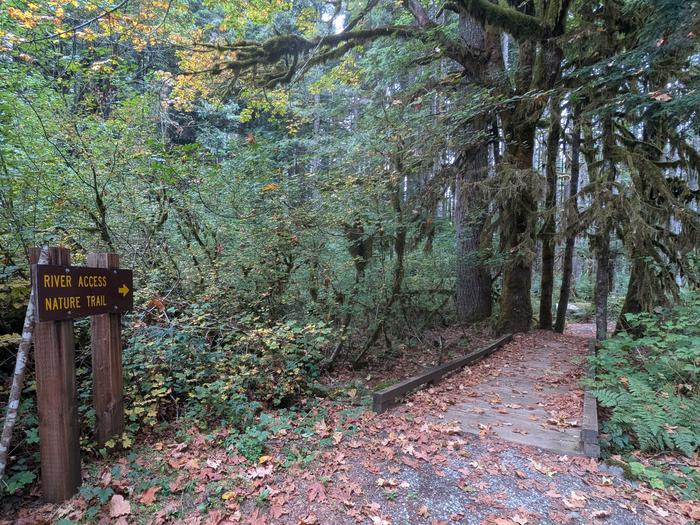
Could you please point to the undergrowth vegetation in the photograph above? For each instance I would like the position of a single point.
(209, 378)
(647, 380)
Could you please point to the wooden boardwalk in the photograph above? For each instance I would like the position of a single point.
(528, 393)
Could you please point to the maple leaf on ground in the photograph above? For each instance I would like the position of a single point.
(149, 496)
(423, 511)
(214, 517)
(277, 511)
(317, 492)
(387, 482)
(321, 429)
(260, 472)
(691, 509)
(257, 518)
(576, 501)
(118, 506)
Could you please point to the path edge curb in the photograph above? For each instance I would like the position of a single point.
(384, 399)
(589, 425)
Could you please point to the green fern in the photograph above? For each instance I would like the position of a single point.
(650, 384)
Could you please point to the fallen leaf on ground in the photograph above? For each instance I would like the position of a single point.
(149, 496)
(118, 506)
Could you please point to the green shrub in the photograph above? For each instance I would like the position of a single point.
(229, 379)
(210, 376)
(650, 383)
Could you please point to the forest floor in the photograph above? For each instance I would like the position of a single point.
(336, 463)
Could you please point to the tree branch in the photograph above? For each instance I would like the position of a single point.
(273, 51)
(518, 24)
(83, 24)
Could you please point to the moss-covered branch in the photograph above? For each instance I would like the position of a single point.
(518, 24)
(277, 51)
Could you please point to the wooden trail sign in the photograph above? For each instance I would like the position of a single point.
(63, 292)
(67, 292)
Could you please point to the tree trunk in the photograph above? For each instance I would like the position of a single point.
(635, 290)
(473, 286)
(601, 286)
(602, 240)
(518, 210)
(549, 227)
(567, 263)
(473, 290)
(18, 376)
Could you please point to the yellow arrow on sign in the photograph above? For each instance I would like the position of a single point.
(123, 289)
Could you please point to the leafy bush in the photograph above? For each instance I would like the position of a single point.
(184, 370)
(650, 383)
(168, 371)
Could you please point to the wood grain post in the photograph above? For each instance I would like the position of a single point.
(589, 423)
(57, 399)
(107, 375)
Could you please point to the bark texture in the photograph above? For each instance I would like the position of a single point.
(567, 263)
(549, 227)
(18, 376)
(473, 290)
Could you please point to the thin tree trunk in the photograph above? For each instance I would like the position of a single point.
(635, 290)
(601, 286)
(549, 227)
(18, 377)
(602, 240)
(567, 264)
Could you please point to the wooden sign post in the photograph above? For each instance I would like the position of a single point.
(57, 399)
(107, 377)
(63, 292)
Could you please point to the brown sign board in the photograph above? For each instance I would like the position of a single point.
(67, 292)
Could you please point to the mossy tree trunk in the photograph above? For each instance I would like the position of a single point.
(518, 214)
(567, 263)
(601, 240)
(473, 289)
(549, 227)
(473, 298)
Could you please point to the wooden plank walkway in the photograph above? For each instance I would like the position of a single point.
(529, 393)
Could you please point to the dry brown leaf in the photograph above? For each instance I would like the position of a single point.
(118, 506)
(149, 495)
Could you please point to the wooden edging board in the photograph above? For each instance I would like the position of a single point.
(386, 398)
(589, 425)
